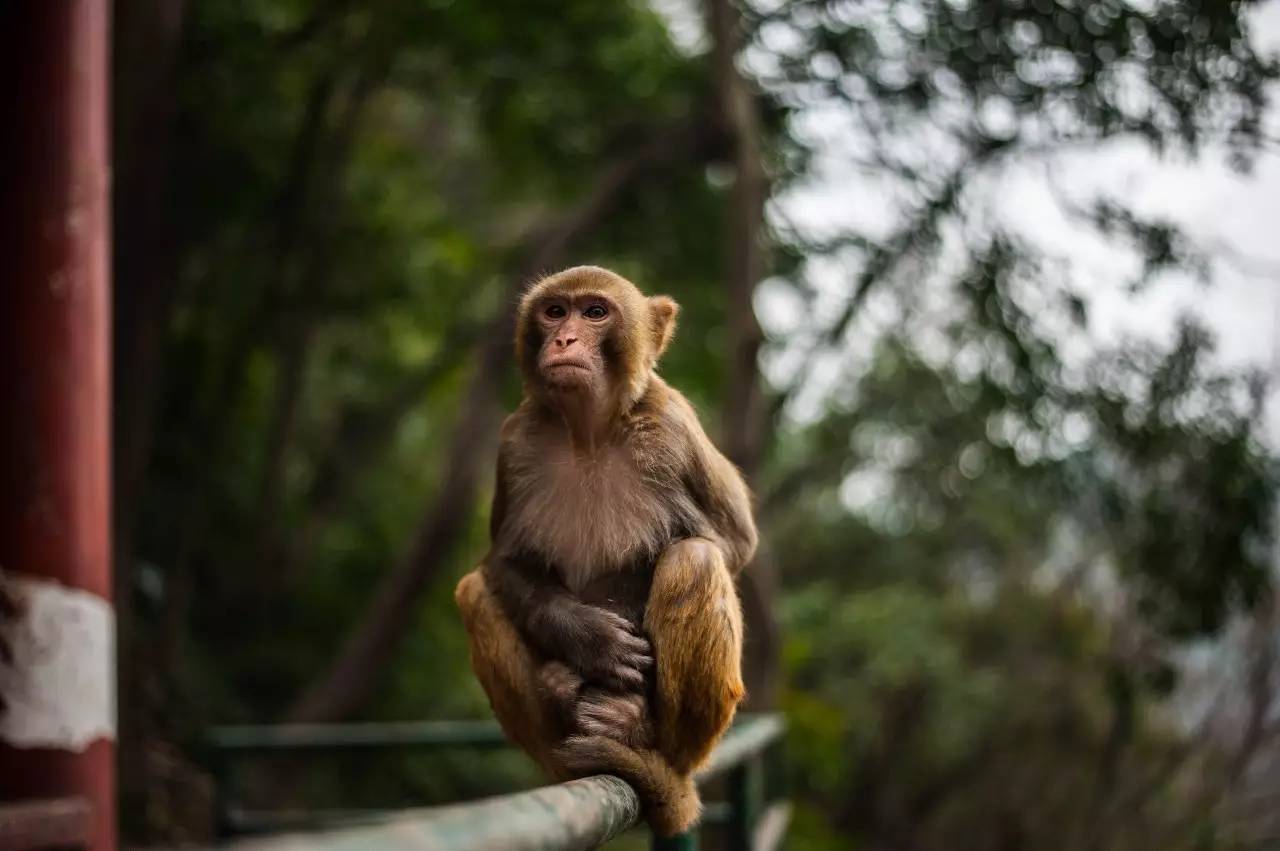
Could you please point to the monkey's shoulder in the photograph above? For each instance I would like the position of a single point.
(658, 439)
(665, 420)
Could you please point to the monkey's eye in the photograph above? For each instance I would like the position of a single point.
(555, 311)
(596, 311)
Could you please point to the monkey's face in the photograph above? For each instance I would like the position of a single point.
(575, 332)
(587, 334)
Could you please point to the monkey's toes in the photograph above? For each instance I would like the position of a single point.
(622, 717)
(622, 677)
(560, 680)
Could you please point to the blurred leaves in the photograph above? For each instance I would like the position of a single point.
(997, 541)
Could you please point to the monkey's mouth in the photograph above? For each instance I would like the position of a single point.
(568, 363)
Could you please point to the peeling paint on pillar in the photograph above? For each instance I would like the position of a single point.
(59, 687)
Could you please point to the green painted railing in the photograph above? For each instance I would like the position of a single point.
(580, 814)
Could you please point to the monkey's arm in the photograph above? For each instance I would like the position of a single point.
(528, 602)
(501, 491)
(714, 484)
(598, 644)
(718, 489)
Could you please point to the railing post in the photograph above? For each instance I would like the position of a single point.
(745, 792)
(220, 774)
(776, 782)
(687, 841)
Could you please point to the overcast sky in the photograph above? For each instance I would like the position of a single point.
(1237, 214)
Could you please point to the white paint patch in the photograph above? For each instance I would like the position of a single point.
(60, 689)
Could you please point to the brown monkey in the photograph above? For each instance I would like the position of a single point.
(604, 623)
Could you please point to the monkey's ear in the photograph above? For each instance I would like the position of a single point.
(662, 322)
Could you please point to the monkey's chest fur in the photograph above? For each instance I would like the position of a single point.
(600, 521)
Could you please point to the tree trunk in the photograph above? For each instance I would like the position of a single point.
(146, 261)
(349, 681)
(314, 204)
(145, 245)
(745, 414)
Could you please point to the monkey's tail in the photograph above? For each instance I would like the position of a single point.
(670, 800)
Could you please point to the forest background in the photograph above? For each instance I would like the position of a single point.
(1016, 587)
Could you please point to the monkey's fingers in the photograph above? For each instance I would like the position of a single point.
(634, 644)
(619, 623)
(640, 661)
(621, 677)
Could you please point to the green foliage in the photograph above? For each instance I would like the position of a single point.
(352, 190)
(1172, 72)
(991, 553)
(951, 638)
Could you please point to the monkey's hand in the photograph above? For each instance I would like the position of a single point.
(614, 654)
(602, 647)
(621, 717)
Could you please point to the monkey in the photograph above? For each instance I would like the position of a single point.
(603, 623)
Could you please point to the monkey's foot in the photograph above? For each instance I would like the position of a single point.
(621, 717)
(560, 682)
(670, 800)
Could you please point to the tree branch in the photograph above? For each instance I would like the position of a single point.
(744, 417)
(884, 258)
(349, 681)
(326, 168)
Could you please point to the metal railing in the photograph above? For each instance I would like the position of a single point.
(579, 814)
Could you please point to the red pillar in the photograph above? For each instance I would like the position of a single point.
(57, 737)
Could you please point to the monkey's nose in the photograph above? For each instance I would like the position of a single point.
(565, 342)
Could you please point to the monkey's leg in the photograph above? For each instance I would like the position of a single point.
(532, 699)
(694, 621)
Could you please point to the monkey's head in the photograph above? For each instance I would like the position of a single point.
(589, 331)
